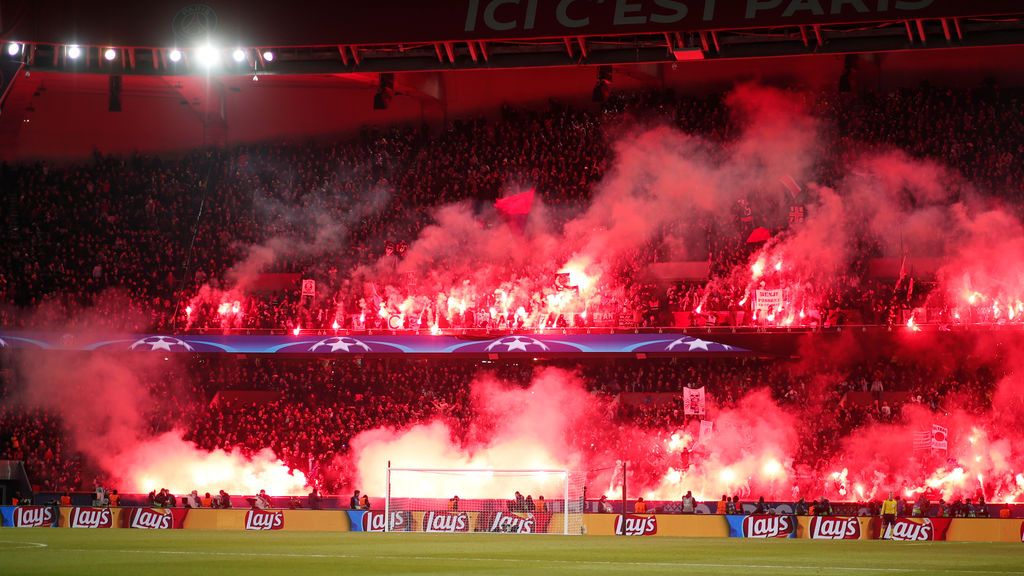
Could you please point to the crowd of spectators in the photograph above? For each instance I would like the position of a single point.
(128, 244)
(317, 407)
(156, 230)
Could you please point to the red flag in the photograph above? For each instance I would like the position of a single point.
(759, 235)
(516, 204)
(516, 208)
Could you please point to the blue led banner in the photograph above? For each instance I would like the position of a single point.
(367, 344)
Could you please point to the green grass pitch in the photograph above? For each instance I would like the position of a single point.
(180, 553)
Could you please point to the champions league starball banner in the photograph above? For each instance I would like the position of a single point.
(673, 344)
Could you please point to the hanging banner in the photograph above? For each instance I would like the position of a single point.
(707, 429)
(765, 300)
(939, 437)
(308, 287)
(693, 401)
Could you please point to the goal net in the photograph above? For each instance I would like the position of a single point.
(452, 500)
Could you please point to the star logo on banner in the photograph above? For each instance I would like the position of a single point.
(343, 343)
(161, 343)
(517, 343)
(691, 343)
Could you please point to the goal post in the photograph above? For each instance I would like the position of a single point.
(467, 500)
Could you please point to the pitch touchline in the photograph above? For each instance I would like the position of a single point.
(21, 545)
(540, 561)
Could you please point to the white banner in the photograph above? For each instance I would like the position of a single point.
(707, 428)
(940, 437)
(763, 299)
(308, 287)
(693, 401)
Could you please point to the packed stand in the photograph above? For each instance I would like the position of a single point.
(155, 231)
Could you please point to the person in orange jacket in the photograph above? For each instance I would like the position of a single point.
(722, 505)
(640, 507)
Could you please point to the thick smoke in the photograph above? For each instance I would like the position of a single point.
(555, 424)
(662, 187)
(107, 407)
(512, 428)
(307, 227)
(978, 456)
(663, 184)
(885, 204)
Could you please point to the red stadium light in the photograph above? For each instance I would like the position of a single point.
(682, 54)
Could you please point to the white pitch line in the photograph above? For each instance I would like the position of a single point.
(21, 545)
(829, 568)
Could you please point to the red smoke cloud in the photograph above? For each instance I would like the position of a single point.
(107, 407)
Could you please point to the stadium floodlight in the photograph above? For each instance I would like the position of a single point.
(110, 54)
(238, 55)
(207, 55)
(175, 55)
(428, 500)
(268, 55)
(13, 48)
(74, 51)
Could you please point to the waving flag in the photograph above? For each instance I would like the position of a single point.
(516, 208)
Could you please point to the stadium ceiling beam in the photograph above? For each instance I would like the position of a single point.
(882, 36)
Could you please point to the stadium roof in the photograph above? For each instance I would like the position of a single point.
(398, 35)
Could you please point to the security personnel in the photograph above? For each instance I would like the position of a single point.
(640, 507)
(888, 515)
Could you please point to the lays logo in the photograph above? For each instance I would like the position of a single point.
(505, 522)
(374, 521)
(632, 525)
(264, 520)
(86, 517)
(769, 526)
(834, 528)
(445, 522)
(906, 529)
(151, 519)
(34, 516)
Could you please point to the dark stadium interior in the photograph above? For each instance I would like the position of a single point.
(221, 270)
